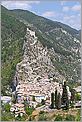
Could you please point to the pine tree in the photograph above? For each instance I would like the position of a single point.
(43, 102)
(56, 98)
(72, 100)
(65, 100)
(72, 95)
(52, 100)
(33, 98)
(58, 101)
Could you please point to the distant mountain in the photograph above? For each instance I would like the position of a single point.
(62, 41)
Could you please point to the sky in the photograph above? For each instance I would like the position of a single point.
(67, 12)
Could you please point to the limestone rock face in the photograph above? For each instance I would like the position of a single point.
(36, 63)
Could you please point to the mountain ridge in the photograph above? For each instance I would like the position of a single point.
(14, 10)
(63, 47)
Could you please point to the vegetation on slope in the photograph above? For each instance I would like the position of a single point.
(12, 38)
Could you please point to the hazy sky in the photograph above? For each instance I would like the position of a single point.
(62, 11)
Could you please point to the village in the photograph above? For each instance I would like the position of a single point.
(37, 96)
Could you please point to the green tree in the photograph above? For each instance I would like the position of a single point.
(7, 116)
(14, 98)
(29, 110)
(7, 107)
(58, 118)
(77, 97)
(78, 116)
(25, 103)
(70, 117)
(52, 100)
(42, 117)
(33, 98)
(43, 102)
(59, 101)
(72, 100)
(20, 118)
(56, 98)
(72, 95)
(65, 100)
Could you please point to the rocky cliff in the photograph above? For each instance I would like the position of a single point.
(36, 63)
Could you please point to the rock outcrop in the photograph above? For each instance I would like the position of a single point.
(36, 63)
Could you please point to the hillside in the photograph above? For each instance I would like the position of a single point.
(12, 34)
(62, 41)
(38, 22)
